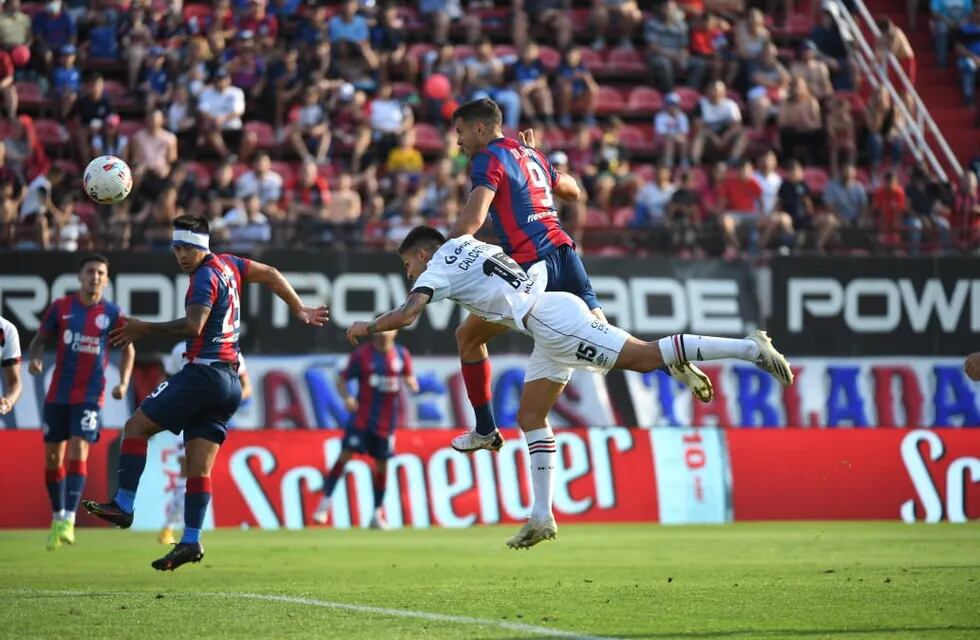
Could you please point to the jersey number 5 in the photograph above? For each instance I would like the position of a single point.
(540, 180)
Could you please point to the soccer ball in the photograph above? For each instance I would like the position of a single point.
(107, 180)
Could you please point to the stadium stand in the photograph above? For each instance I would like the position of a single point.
(171, 56)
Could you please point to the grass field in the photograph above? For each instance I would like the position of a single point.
(813, 580)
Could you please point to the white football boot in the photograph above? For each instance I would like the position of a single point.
(322, 511)
(770, 360)
(473, 441)
(534, 532)
(378, 521)
(694, 379)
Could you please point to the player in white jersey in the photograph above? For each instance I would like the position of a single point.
(481, 278)
(10, 363)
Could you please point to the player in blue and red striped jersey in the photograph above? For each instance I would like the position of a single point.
(80, 323)
(200, 398)
(379, 367)
(515, 185)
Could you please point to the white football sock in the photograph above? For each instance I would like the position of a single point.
(69, 516)
(543, 452)
(684, 347)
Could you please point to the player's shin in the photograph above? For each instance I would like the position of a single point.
(683, 347)
(54, 480)
(196, 501)
(543, 452)
(380, 481)
(132, 460)
(476, 377)
(74, 486)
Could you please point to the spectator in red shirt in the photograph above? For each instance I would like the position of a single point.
(259, 22)
(889, 208)
(966, 212)
(7, 87)
(307, 207)
(741, 202)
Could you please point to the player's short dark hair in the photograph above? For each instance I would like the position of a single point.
(93, 257)
(422, 236)
(482, 110)
(192, 223)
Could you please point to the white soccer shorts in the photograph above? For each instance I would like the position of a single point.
(567, 336)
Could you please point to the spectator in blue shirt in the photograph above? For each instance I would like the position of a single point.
(968, 51)
(103, 42)
(577, 89)
(349, 26)
(66, 80)
(155, 84)
(947, 16)
(531, 81)
(52, 30)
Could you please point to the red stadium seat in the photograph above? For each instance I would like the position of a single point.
(644, 101)
(645, 172)
(115, 90)
(816, 178)
(203, 13)
(30, 97)
(609, 101)
(799, 25)
(265, 135)
(463, 51)
(287, 172)
(623, 217)
(428, 140)
(549, 57)
(413, 22)
(418, 50)
(238, 169)
(129, 128)
(504, 51)
(689, 97)
(555, 139)
(635, 139)
(596, 218)
(201, 173)
(591, 59)
(626, 62)
(51, 133)
(581, 20)
(403, 89)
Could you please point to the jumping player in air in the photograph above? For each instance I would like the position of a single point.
(201, 398)
(483, 279)
(515, 185)
(379, 368)
(177, 484)
(80, 323)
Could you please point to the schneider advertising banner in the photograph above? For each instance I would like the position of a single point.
(649, 297)
(272, 479)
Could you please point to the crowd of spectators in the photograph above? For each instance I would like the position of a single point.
(697, 126)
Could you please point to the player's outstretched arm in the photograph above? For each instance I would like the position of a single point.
(11, 386)
(182, 328)
(474, 212)
(277, 283)
(395, 319)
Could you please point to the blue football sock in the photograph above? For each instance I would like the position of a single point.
(196, 501)
(54, 480)
(132, 460)
(331, 477)
(75, 484)
(125, 499)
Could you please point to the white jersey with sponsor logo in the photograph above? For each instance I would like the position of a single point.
(482, 279)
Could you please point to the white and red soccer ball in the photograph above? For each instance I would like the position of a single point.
(107, 180)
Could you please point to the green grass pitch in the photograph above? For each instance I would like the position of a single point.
(744, 581)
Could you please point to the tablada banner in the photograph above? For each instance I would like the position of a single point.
(649, 297)
(875, 306)
(272, 479)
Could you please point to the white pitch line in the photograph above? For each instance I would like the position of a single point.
(357, 608)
